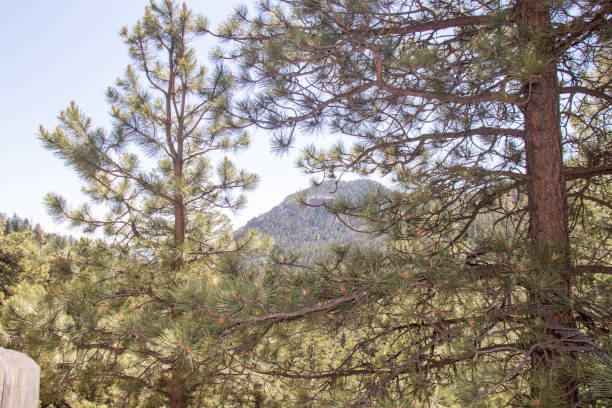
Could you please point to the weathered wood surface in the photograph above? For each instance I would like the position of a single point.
(19, 380)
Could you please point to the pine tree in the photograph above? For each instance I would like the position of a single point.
(4, 224)
(16, 223)
(117, 315)
(11, 256)
(491, 117)
(39, 233)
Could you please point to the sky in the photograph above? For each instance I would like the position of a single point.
(55, 52)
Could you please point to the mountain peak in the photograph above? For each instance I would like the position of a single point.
(296, 226)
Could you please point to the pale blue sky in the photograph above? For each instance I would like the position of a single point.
(54, 52)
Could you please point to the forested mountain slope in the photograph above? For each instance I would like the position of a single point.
(294, 225)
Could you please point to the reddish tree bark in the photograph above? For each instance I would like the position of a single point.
(547, 197)
(544, 153)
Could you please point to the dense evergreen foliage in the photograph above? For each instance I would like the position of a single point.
(495, 111)
(21, 251)
(494, 283)
(111, 326)
(18, 224)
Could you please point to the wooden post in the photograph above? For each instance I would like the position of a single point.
(19, 380)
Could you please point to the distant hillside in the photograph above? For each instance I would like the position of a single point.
(15, 223)
(295, 226)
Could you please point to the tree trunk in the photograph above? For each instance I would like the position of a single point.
(178, 394)
(546, 184)
(179, 210)
(547, 198)
(258, 400)
(179, 205)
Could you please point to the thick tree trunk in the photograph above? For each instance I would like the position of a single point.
(546, 185)
(547, 198)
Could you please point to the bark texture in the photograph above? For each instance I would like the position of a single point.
(544, 153)
(547, 197)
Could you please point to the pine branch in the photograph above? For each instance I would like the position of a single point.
(595, 93)
(289, 316)
(592, 270)
(573, 173)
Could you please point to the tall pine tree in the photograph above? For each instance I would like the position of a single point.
(121, 324)
(492, 118)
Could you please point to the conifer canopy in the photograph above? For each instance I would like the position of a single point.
(493, 120)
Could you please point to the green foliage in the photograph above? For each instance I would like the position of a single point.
(492, 120)
(19, 261)
(17, 224)
(22, 253)
(111, 326)
(492, 287)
